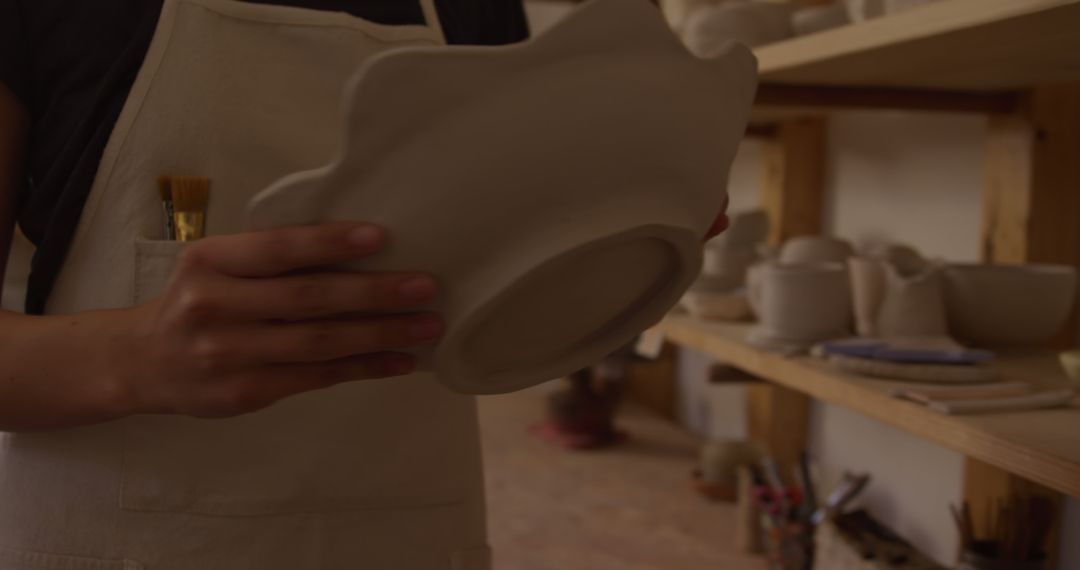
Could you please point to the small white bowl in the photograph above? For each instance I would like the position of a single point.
(1008, 304)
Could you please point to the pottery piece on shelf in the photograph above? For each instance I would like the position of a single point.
(728, 263)
(752, 23)
(867, 293)
(1070, 361)
(1036, 401)
(906, 259)
(801, 305)
(730, 306)
(749, 229)
(896, 6)
(1008, 304)
(754, 276)
(926, 394)
(860, 10)
(814, 19)
(503, 171)
(931, 373)
(815, 249)
(912, 306)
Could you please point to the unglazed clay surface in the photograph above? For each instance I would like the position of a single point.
(558, 189)
(992, 305)
(800, 305)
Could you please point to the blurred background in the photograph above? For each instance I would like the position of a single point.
(658, 485)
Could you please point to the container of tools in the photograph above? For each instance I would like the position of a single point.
(784, 511)
(856, 541)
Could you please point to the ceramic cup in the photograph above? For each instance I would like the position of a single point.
(815, 249)
(992, 305)
(504, 172)
(801, 305)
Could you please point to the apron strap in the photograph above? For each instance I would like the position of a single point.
(431, 16)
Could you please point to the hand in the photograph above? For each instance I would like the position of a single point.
(720, 225)
(239, 328)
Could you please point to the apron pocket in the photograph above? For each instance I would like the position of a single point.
(23, 560)
(472, 559)
(154, 263)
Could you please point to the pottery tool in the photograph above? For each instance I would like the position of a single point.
(1041, 400)
(806, 481)
(926, 394)
(907, 351)
(191, 197)
(165, 191)
(844, 493)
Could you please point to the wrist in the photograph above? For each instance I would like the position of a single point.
(123, 366)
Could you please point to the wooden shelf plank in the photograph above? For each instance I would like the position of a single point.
(1042, 446)
(966, 45)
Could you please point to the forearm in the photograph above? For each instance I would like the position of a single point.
(63, 371)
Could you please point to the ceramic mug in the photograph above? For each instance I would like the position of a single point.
(803, 304)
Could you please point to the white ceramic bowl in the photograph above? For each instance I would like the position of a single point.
(1008, 304)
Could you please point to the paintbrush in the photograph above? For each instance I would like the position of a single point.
(165, 190)
(191, 197)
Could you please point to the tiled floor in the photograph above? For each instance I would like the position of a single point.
(627, 508)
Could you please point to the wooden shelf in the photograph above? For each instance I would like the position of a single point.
(1042, 446)
(964, 45)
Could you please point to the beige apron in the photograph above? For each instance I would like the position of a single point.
(373, 475)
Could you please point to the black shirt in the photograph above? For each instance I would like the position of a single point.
(72, 63)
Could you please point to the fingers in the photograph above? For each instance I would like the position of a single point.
(260, 388)
(301, 297)
(284, 250)
(313, 342)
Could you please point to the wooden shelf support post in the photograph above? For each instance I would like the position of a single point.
(1031, 214)
(794, 178)
(793, 194)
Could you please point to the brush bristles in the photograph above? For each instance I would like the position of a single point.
(190, 193)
